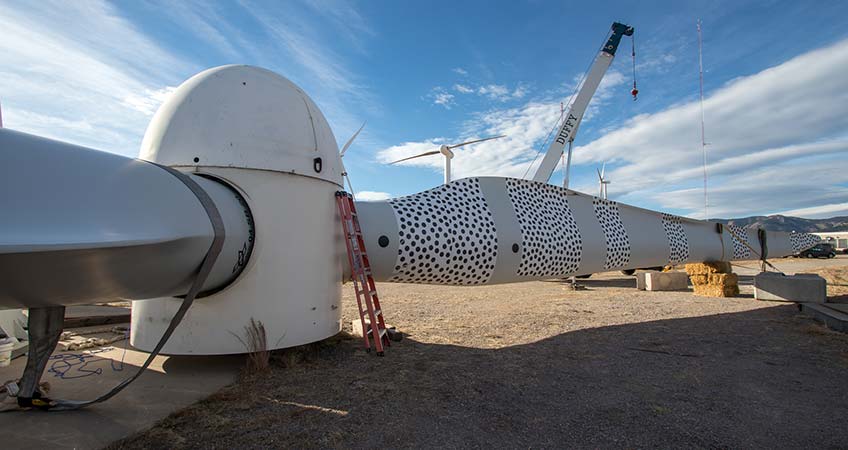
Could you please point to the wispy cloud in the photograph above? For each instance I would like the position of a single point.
(519, 92)
(524, 126)
(310, 41)
(60, 78)
(460, 71)
(439, 96)
(148, 101)
(83, 72)
(495, 92)
(777, 143)
(772, 126)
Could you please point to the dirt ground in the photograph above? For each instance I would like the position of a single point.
(537, 365)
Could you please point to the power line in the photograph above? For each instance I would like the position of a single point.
(703, 139)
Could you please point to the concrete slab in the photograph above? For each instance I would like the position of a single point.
(841, 307)
(835, 316)
(666, 281)
(640, 278)
(170, 383)
(802, 287)
(91, 315)
(78, 311)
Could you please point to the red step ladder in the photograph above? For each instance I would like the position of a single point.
(363, 283)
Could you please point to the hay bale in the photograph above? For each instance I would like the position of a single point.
(709, 290)
(699, 280)
(708, 268)
(723, 279)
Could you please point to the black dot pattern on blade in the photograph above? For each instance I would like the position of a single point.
(551, 245)
(802, 241)
(447, 236)
(677, 241)
(740, 250)
(618, 243)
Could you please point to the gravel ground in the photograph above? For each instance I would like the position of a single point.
(537, 365)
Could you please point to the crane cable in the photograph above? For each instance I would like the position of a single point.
(635, 91)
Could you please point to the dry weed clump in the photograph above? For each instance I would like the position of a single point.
(256, 343)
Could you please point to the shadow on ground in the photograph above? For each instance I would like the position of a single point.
(762, 378)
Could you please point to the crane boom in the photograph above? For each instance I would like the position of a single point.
(574, 113)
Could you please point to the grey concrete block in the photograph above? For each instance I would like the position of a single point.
(666, 281)
(802, 287)
(640, 278)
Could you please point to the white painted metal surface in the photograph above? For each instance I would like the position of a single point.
(81, 225)
(260, 133)
(245, 117)
(491, 230)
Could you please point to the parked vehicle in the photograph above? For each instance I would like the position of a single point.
(822, 250)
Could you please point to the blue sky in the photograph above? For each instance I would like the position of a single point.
(423, 73)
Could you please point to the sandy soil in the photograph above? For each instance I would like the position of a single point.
(539, 365)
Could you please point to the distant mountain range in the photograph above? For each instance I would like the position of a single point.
(789, 223)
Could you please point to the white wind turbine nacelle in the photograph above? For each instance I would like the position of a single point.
(602, 182)
(446, 151)
(86, 225)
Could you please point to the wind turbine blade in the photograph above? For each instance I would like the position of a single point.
(476, 141)
(600, 176)
(434, 152)
(603, 169)
(352, 138)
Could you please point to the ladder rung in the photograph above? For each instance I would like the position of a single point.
(377, 312)
(362, 291)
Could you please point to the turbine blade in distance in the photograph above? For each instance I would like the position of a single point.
(476, 141)
(434, 152)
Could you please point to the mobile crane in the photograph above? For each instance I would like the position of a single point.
(573, 114)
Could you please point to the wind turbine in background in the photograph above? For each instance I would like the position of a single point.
(342, 153)
(602, 182)
(446, 151)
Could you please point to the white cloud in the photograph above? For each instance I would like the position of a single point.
(777, 144)
(817, 212)
(494, 91)
(460, 71)
(149, 102)
(408, 149)
(519, 92)
(764, 126)
(78, 71)
(372, 196)
(439, 96)
(82, 72)
(524, 127)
